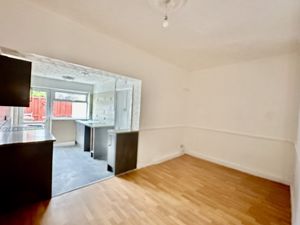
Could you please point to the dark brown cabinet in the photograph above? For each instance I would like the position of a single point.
(122, 151)
(25, 168)
(15, 77)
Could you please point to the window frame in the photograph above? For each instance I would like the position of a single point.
(87, 94)
(20, 110)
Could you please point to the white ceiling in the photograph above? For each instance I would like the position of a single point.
(59, 70)
(43, 66)
(203, 33)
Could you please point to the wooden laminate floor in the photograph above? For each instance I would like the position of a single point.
(185, 190)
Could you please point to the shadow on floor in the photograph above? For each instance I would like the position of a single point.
(19, 216)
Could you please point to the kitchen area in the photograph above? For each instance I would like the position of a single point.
(89, 119)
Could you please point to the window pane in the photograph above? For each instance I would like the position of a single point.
(4, 114)
(37, 110)
(79, 110)
(70, 96)
(72, 110)
(62, 109)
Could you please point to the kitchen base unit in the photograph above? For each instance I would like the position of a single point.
(93, 136)
(122, 151)
(25, 167)
(83, 137)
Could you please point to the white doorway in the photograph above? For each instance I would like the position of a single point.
(123, 109)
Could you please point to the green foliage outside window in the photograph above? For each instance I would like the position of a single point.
(34, 93)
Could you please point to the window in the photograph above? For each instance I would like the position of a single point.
(70, 96)
(70, 105)
(5, 112)
(37, 110)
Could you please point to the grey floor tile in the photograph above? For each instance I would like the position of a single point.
(74, 168)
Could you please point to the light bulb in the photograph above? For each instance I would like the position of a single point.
(165, 23)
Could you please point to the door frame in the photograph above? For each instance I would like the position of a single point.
(130, 95)
(47, 122)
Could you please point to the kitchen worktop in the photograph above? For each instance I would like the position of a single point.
(121, 131)
(22, 136)
(26, 154)
(93, 123)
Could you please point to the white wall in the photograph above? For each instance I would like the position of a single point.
(104, 107)
(64, 131)
(245, 115)
(28, 28)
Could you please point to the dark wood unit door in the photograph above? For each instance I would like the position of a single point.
(15, 76)
(126, 152)
(83, 136)
(25, 173)
(87, 139)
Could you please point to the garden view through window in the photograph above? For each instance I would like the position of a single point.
(62, 105)
(37, 110)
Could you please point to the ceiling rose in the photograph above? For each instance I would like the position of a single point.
(171, 5)
(167, 7)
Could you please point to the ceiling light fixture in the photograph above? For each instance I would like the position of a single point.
(165, 22)
(167, 7)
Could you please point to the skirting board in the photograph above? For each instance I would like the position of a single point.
(64, 144)
(292, 188)
(237, 167)
(160, 160)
